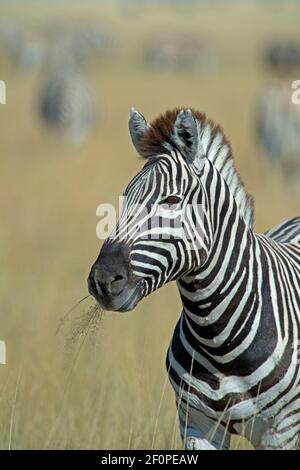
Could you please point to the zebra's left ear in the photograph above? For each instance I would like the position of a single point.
(186, 136)
(137, 127)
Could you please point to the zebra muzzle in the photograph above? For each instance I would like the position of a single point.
(110, 281)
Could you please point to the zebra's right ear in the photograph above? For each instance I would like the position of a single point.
(187, 139)
(137, 127)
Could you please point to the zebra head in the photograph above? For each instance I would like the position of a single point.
(164, 231)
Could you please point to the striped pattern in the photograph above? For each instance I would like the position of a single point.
(278, 130)
(67, 105)
(233, 358)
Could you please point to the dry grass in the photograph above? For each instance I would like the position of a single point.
(108, 390)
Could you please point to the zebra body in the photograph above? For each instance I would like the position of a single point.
(228, 354)
(233, 358)
(278, 130)
(67, 105)
(176, 52)
(278, 117)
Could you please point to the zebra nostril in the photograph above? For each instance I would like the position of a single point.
(94, 286)
(117, 284)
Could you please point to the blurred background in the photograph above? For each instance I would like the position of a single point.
(72, 71)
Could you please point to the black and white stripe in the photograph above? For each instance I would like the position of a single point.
(67, 104)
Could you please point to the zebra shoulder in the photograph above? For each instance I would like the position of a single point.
(286, 232)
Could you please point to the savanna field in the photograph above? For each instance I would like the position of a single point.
(100, 382)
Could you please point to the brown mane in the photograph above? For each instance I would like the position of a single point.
(161, 129)
(159, 137)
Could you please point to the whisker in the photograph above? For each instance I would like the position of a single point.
(67, 314)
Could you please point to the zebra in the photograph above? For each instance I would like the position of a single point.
(282, 56)
(173, 52)
(68, 105)
(277, 117)
(278, 131)
(232, 361)
(32, 48)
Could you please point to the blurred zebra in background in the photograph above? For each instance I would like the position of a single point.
(277, 117)
(282, 56)
(67, 105)
(177, 52)
(61, 53)
(31, 48)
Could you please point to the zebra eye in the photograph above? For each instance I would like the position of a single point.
(171, 200)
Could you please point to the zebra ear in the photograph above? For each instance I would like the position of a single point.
(186, 137)
(137, 127)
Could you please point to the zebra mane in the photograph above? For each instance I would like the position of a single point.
(159, 137)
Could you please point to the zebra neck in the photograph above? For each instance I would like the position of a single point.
(227, 284)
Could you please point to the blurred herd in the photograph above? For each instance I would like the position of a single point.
(63, 53)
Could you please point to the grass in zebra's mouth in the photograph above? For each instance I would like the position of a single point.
(82, 324)
(85, 324)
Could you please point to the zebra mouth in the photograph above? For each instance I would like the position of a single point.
(131, 302)
(124, 302)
